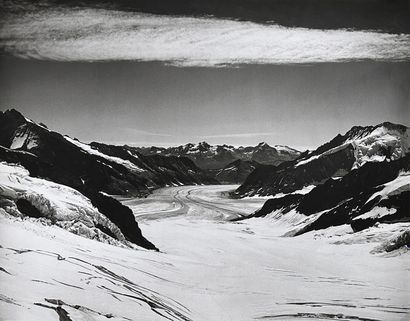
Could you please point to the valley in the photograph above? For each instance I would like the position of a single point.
(211, 201)
(97, 231)
(208, 268)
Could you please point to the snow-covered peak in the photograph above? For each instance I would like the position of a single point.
(262, 144)
(201, 147)
(278, 148)
(359, 132)
(285, 149)
(385, 141)
(204, 145)
(188, 146)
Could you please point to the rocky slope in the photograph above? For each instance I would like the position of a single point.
(334, 159)
(235, 172)
(157, 169)
(368, 182)
(93, 170)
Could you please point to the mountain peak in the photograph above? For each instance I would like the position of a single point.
(13, 114)
(393, 126)
(263, 144)
(203, 146)
(204, 143)
(362, 131)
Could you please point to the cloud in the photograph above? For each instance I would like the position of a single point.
(241, 135)
(100, 35)
(139, 132)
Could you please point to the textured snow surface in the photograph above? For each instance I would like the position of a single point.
(87, 148)
(61, 204)
(302, 191)
(394, 187)
(208, 268)
(371, 147)
(253, 193)
(284, 149)
(208, 202)
(376, 212)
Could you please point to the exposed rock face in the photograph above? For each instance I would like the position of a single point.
(283, 204)
(235, 172)
(26, 208)
(157, 169)
(368, 178)
(334, 159)
(287, 178)
(122, 217)
(50, 155)
(377, 192)
(362, 178)
(63, 162)
(91, 169)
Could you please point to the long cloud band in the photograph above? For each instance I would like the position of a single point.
(99, 35)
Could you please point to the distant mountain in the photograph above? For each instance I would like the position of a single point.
(235, 172)
(217, 157)
(362, 178)
(384, 142)
(93, 170)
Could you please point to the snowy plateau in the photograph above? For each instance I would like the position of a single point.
(207, 269)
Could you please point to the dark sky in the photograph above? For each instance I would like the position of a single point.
(150, 103)
(294, 72)
(385, 15)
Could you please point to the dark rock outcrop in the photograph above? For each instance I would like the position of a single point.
(345, 200)
(26, 208)
(47, 154)
(333, 159)
(235, 172)
(287, 178)
(285, 204)
(361, 181)
(121, 216)
(350, 174)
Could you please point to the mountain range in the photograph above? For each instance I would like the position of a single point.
(207, 156)
(226, 163)
(360, 178)
(384, 142)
